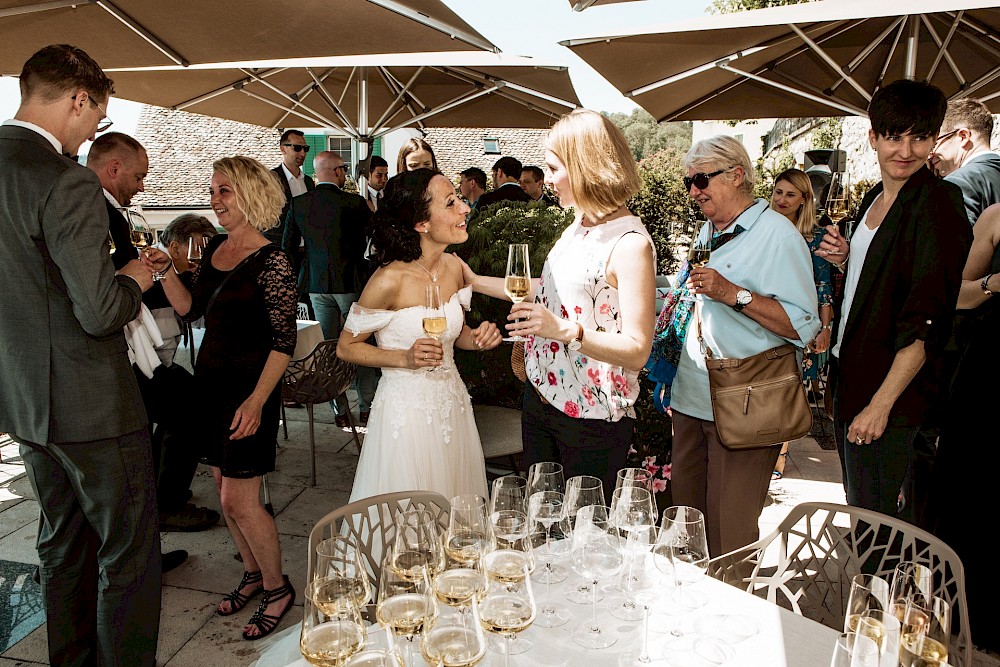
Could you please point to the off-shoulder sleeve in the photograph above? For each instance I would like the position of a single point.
(366, 320)
(465, 297)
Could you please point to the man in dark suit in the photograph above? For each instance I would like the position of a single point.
(70, 398)
(294, 181)
(333, 224)
(506, 172)
(121, 164)
(378, 176)
(533, 182)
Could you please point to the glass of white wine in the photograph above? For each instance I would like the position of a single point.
(868, 591)
(517, 281)
(416, 546)
(468, 529)
(405, 601)
(196, 249)
(450, 641)
(925, 628)
(699, 252)
(338, 573)
(435, 321)
(331, 633)
(507, 610)
(884, 628)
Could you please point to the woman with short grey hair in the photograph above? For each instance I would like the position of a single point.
(756, 293)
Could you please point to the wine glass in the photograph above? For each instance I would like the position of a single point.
(196, 250)
(854, 650)
(581, 491)
(633, 514)
(508, 609)
(338, 573)
(517, 283)
(468, 529)
(867, 592)
(645, 595)
(596, 553)
(416, 546)
(435, 322)
(508, 513)
(681, 552)
(550, 532)
(699, 252)
(925, 630)
(405, 600)
(910, 580)
(508, 493)
(627, 477)
(884, 628)
(450, 641)
(545, 476)
(331, 633)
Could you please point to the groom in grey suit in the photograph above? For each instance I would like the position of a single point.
(70, 398)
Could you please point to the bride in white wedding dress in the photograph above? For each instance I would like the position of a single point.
(421, 433)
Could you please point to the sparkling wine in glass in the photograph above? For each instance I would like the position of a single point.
(699, 252)
(416, 546)
(507, 610)
(405, 600)
(331, 634)
(517, 280)
(468, 529)
(196, 250)
(450, 640)
(435, 322)
(337, 574)
(868, 591)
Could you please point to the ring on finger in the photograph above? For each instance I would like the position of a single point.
(860, 440)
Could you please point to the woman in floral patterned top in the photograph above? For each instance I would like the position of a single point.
(589, 319)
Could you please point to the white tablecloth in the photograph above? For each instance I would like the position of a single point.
(309, 336)
(785, 639)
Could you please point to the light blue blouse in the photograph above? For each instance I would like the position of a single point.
(771, 259)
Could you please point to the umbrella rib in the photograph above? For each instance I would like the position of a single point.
(474, 75)
(235, 85)
(43, 7)
(867, 51)
(943, 48)
(291, 98)
(140, 30)
(892, 51)
(979, 83)
(394, 84)
(818, 50)
(320, 88)
(454, 102)
(296, 112)
(399, 97)
(982, 33)
(583, 4)
(440, 26)
(836, 104)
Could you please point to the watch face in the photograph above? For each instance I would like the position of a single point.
(574, 345)
(743, 297)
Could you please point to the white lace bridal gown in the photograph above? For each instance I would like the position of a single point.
(421, 433)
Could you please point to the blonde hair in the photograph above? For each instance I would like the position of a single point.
(805, 219)
(721, 152)
(412, 145)
(259, 195)
(602, 171)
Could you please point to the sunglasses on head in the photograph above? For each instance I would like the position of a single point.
(298, 148)
(701, 179)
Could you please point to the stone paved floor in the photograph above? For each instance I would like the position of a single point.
(190, 632)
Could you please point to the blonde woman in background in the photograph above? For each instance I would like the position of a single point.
(414, 154)
(589, 319)
(793, 198)
(245, 289)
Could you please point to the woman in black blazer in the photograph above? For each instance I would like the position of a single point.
(903, 267)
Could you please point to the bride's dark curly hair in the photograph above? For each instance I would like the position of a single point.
(405, 202)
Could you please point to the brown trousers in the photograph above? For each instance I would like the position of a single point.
(728, 486)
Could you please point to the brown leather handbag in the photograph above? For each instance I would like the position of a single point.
(758, 401)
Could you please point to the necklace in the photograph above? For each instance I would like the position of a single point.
(433, 276)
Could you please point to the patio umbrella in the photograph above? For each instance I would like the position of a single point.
(143, 33)
(580, 5)
(365, 96)
(814, 59)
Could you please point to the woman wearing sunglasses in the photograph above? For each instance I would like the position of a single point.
(793, 198)
(589, 319)
(756, 293)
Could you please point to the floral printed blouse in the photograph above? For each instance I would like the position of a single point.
(574, 286)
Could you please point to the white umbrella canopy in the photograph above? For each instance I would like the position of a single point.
(365, 96)
(144, 33)
(813, 59)
(580, 5)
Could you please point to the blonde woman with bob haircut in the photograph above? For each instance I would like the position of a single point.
(246, 291)
(589, 319)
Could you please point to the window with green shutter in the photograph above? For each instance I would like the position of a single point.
(317, 143)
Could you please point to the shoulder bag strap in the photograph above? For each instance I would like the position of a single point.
(225, 279)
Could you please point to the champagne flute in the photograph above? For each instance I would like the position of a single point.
(545, 476)
(508, 609)
(196, 249)
(854, 650)
(449, 641)
(468, 529)
(435, 322)
(517, 283)
(405, 600)
(867, 592)
(331, 633)
(582, 491)
(910, 580)
(926, 629)
(699, 252)
(596, 553)
(884, 628)
(338, 573)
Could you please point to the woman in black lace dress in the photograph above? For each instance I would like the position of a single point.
(245, 289)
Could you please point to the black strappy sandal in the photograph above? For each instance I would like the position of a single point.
(266, 623)
(237, 600)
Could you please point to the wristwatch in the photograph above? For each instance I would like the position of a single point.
(743, 299)
(986, 290)
(577, 342)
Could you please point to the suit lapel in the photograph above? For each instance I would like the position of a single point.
(879, 252)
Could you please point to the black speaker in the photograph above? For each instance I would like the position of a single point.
(833, 159)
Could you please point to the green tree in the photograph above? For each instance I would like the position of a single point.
(646, 137)
(664, 205)
(730, 6)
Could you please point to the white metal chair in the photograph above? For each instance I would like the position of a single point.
(807, 563)
(369, 523)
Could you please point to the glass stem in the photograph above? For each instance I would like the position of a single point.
(593, 623)
(548, 572)
(508, 640)
(644, 655)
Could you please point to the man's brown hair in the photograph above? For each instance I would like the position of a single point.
(60, 68)
(970, 113)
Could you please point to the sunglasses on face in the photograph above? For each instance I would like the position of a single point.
(298, 148)
(701, 179)
(944, 137)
